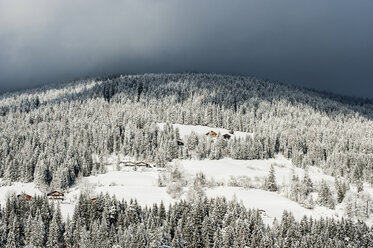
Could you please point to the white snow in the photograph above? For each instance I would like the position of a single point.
(130, 185)
(17, 188)
(272, 203)
(225, 168)
(142, 184)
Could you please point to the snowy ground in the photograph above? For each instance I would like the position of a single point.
(17, 188)
(272, 203)
(225, 168)
(142, 184)
(186, 130)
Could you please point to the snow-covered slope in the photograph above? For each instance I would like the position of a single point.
(272, 203)
(142, 184)
(224, 169)
(17, 188)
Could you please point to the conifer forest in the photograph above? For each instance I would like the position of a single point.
(316, 149)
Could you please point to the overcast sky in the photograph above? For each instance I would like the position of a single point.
(321, 44)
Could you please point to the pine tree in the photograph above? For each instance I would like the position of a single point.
(270, 182)
(11, 241)
(341, 189)
(307, 185)
(38, 233)
(85, 241)
(325, 197)
(54, 233)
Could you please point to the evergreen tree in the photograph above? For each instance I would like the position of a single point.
(38, 233)
(325, 196)
(270, 181)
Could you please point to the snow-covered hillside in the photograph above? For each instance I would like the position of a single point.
(270, 146)
(142, 184)
(224, 169)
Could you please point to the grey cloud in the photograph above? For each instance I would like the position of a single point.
(326, 45)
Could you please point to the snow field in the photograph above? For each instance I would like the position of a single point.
(142, 185)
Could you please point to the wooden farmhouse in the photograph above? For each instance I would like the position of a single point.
(226, 136)
(262, 212)
(130, 163)
(143, 164)
(56, 195)
(24, 196)
(211, 133)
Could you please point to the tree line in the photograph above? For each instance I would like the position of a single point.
(204, 222)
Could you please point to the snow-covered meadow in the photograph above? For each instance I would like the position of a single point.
(141, 183)
(127, 183)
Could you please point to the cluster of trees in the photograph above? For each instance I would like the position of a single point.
(49, 134)
(204, 222)
(358, 204)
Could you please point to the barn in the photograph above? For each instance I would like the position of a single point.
(211, 133)
(142, 164)
(24, 196)
(226, 136)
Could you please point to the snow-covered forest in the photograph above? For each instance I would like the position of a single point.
(56, 135)
(205, 223)
(49, 135)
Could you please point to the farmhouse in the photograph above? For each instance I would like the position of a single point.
(143, 164)
(211, 133)
(24, 196)
(262, 212)
(226, 136)
(55, 195)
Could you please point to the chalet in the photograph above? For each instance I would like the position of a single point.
(262, 212)
(24, 196)
(226, 136)
(180, 143)
(128, 163)
(211, 133)
(55, 195)
(143, 164)
(93, 200)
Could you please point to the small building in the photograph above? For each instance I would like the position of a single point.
(56, 195)
(262, 212)
(180, 143)
(226, 136)
(211, 133)
(128, 163)
(143, 164)
(93, 200)
(231, 131)
(24, 196)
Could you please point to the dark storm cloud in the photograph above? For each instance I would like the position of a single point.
(320, 44)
